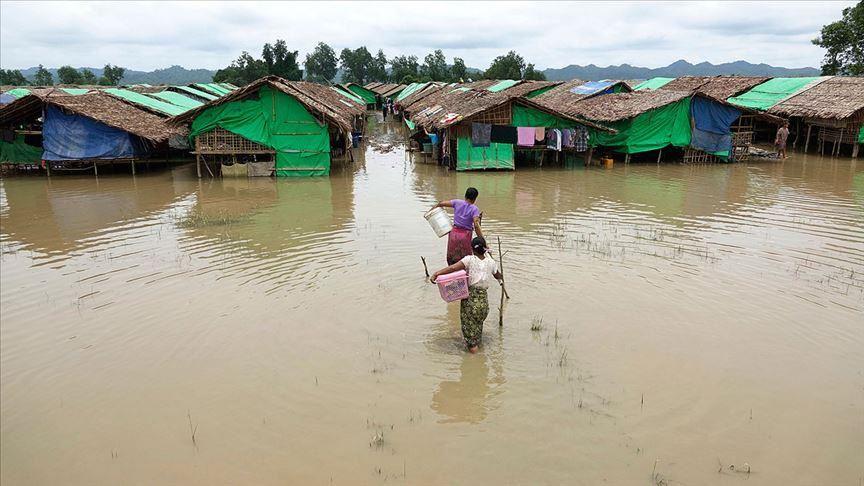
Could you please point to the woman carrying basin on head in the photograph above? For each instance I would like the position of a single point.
(466, 220)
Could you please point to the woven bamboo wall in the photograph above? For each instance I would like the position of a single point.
(220, 141)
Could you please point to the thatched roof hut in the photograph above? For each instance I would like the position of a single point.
(719, 87)
(838, 98)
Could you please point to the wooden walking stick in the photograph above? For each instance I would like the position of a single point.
(425, 268)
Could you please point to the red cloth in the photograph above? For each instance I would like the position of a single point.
(458, 244)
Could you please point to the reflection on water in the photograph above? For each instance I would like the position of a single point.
(689, 314)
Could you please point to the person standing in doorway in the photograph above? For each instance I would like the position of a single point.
(780, 140)
(466, 220)
(384, 110)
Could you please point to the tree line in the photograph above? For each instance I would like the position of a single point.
(361, 67)
(111, 76)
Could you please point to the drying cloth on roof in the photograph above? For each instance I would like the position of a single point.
(481, 134)
(76, 137)
(19, 152)
(592, 87)
(653, 83)
(495, 156)
(503, 134)
(143, 100)
(176, 99)
(525, 136)
(773, 91)
(713, 143)
(6, 98)
(710, 116)
(278, 121)
(197, 92)
(652, 130)
(502, 85)
(539, 134)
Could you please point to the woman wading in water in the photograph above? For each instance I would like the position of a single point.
(481, 270)
(466, 220)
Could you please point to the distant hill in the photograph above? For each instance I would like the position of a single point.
(172, 75)
(592, 72)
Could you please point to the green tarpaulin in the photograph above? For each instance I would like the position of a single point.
(278, 121)
(771, 92)
(143, 100)
(228, 86)
(18, 152)
(538, 92)
(212, 88)
(861, 135)
(652, 130)
(176, 99)
(653, 83)
(524, 116)
(495, 156)
(410, 89)
(367, 95)
(197, 92)
(351, 96)
(18, 92)
(410, 124)
(75, 91)
(502, 85)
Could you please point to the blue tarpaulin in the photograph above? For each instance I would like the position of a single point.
(713, 117)
(75, 137)
(6, 98)
(713, 143)
(592, 87)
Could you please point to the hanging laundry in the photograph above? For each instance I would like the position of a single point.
(539, 134)
(557, 133)
(567, 137)
(553, 140)
(503, 134)
(525, 136)
(581, 139)
(480, 134)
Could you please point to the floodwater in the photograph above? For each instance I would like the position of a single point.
(166, 330)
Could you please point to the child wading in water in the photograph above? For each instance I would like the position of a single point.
(481, 269)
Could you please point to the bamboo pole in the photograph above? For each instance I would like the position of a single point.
(425, 268)
(503, 288)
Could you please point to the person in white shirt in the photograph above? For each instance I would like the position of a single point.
(481, 269)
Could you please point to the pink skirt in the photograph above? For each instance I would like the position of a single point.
(458, 244)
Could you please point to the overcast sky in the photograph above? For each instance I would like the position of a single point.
(146, 36)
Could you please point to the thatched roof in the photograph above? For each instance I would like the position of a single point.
(396, 89)
(482, 84)
(836, 98)
(98, 106)
(420, 94)
(720, 87)
(430, 112)
(317, 98)
(382, 88)
(372, 85)
(526, 87)
(620, 106)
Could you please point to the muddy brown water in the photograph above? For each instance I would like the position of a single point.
(691, 319)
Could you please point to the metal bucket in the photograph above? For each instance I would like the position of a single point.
(439, 220)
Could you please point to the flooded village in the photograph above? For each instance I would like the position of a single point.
(211, 283)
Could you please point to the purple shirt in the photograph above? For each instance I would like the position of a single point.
(464, 214)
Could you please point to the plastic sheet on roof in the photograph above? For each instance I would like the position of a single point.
(198, 93)
(773, 91)
(653, 83)
(351, 96)
(410, 89)
(18, 92)
(367, 95)
(143, 100)
(176, 99)
(502, 85)
(592, 87)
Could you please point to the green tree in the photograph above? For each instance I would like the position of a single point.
(281, 62)
(321, 64)
(378, 72)
(459, 73)
(509, 66)
(533, 74)
(403, 69)
(87, 77)
(12, 77)
(435, 67)
(43, 77)
(242, 71)
(844, 41)
(68, 75)
(111, 75)
(356, 65)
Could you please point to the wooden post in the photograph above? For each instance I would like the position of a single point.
(840, 142)
(626, 159)
(855, 151)
(48, 167)
(659, 154)
(95, 169)
(133, 166)
(198, 164)
(807, 142)
(588, 154)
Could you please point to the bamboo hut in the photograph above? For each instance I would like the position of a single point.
(81, 131)
(367, 95)
(834, 107)
(719, 87)
(451, 115)
(274, 127)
